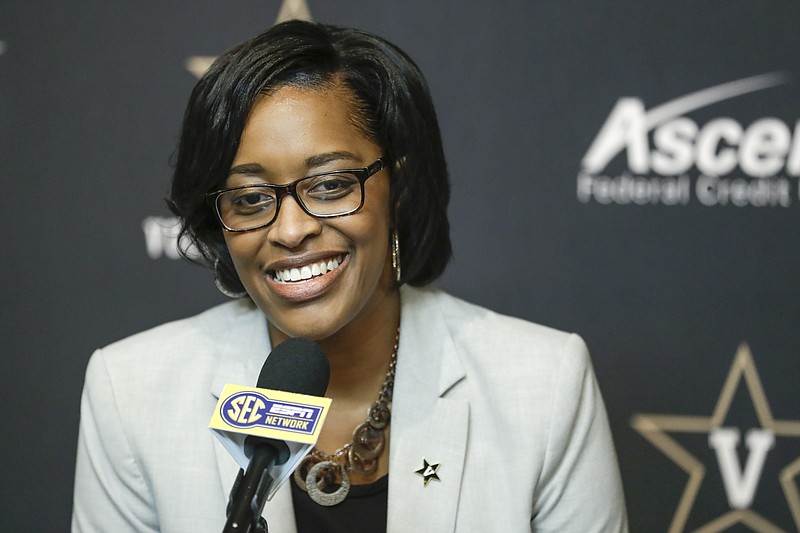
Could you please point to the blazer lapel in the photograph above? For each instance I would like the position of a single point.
(426, 426)
(241, 355)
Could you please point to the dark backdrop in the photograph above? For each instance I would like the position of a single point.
(664, 288)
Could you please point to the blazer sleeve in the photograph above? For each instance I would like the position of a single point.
(580, 489)
(111, 494)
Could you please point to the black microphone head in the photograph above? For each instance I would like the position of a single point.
(296, 365)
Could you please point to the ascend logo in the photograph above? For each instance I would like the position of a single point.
(669, 158)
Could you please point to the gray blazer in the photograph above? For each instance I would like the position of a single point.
(509, 409)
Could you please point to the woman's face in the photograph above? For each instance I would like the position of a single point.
(292, 133)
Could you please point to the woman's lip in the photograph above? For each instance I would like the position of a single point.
(306, 272)
(300, 291)
(302, 260)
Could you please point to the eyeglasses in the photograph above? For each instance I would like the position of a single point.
(326, 195)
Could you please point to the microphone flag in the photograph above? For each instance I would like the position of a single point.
(244, 411)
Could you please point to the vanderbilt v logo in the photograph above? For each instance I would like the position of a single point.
(740, 486)
(741, 474)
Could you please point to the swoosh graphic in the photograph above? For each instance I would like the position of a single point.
(668, 110)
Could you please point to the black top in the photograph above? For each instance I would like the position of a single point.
(364, 510)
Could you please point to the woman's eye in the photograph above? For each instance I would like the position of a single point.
(332, 187)
(249, 200)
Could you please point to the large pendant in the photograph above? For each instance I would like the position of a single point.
(361, 466)
(327, 474)
(301, 472)
(368, 442)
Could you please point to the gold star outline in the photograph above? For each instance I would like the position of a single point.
(290, 10)
(654, 428)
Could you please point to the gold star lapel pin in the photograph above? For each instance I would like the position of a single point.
(428, 471)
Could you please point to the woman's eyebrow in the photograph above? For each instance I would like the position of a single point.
(316, 160)
(321, 159)
(246, 168)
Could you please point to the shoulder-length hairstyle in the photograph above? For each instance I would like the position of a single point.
(398, 115)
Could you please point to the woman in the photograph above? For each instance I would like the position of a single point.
(311, 176)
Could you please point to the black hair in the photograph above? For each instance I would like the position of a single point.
(397, 114)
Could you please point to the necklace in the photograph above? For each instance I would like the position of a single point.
(319, 473)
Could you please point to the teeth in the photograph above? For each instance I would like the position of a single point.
(307, 271)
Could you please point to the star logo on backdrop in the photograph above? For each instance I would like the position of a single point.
(290, 10)
(740, 483)
(428, 471)
(293, 9)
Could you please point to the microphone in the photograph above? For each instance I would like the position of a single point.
(298, 366)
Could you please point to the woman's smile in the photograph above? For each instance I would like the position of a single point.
(299, 280)
(299, 274)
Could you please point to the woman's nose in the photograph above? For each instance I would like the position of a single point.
(292, 225)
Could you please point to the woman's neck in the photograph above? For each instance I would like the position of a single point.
(359, 353)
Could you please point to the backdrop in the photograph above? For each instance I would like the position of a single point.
(626, 170)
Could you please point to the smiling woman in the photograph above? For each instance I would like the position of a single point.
(358, 295)
(311, 178)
